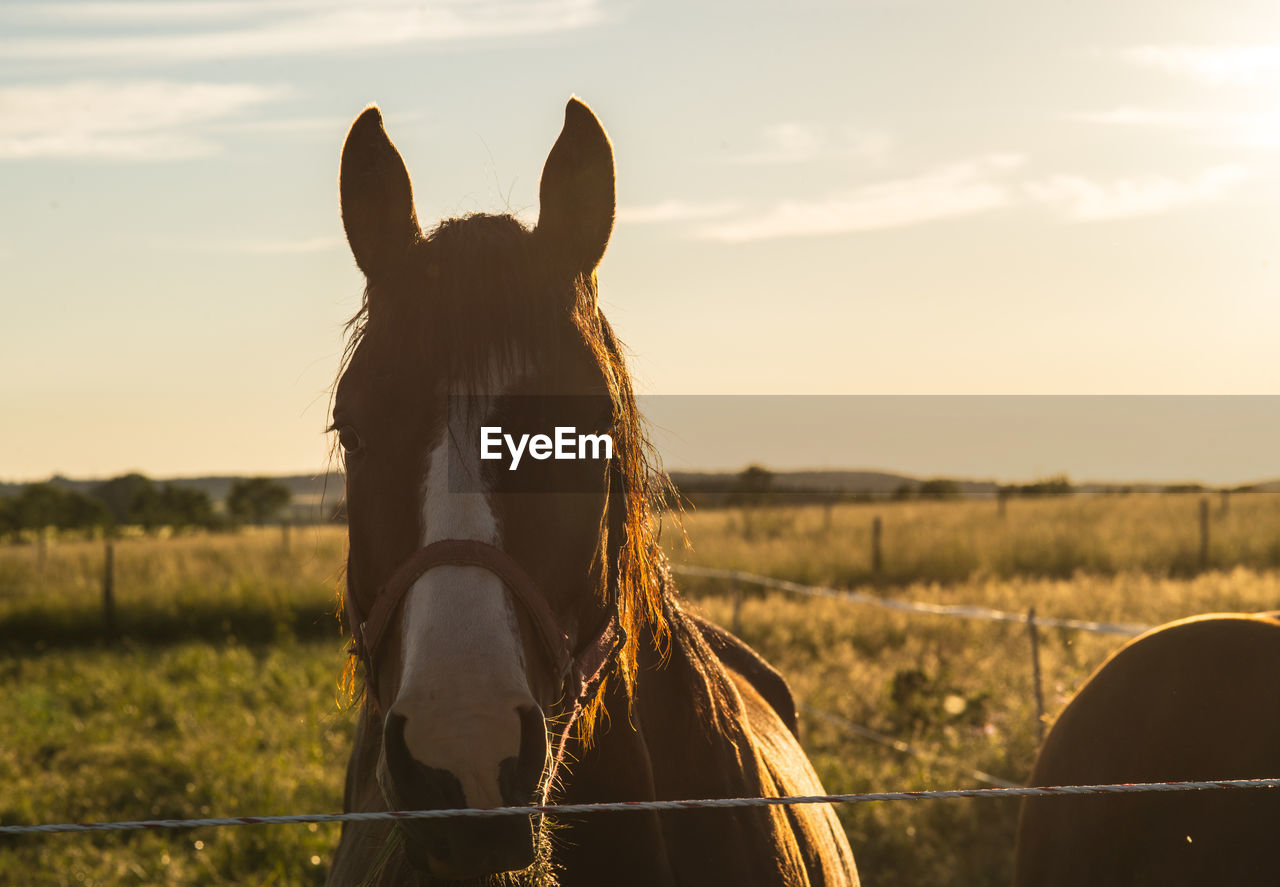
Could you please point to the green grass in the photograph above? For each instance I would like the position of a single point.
(188, 730)
(218, 696)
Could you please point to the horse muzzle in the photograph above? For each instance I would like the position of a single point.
(467, 847)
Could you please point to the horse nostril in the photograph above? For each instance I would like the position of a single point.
(416, 784)
(518, 778)
(399, 761)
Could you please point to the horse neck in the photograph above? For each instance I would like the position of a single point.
(684, 734)
(684, 728)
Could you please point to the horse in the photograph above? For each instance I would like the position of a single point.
(1193, 700)
(518, 635)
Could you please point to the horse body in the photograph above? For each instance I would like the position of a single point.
(1197, 699)
(520, 637)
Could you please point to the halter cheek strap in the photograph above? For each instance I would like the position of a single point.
(581, 673)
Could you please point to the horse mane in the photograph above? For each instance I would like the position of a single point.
(489, 270)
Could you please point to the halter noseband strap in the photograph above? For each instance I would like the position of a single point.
(582, 672)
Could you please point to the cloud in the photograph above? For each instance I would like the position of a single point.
(278, 28)
(1079, 199)
(959, 189)
(1247, 129)
(785, 143)
(138, 120)
(148, 11)
(790, 143)
(1211, 64)
(673, 211)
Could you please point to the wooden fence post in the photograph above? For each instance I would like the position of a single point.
(1034, 634)
(877, 558)
(109, 589)
(1204, 532)
(1226, 503)
(826, 516)
(285, 526)
(737, 609)
(1001, 499)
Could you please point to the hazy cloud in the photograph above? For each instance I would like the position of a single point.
(1080, 199)
(1212, 64)
(788, 143)
(281, 28)
(673, 211)
(140, 120)
(785, 143)
(959, 189)
(146, 11)
(1259, 129)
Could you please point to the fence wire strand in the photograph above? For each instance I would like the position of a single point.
(624, 806)
(963, 611)
(906, 748)
(1003, 790)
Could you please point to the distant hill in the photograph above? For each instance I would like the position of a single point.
(875, 483)
(309, 490)
(712, 486)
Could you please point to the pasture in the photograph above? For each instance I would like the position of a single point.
(220, 695)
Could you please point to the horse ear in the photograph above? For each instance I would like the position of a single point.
(377, 199)
(577, 192)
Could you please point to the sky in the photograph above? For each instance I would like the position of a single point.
(873, 197)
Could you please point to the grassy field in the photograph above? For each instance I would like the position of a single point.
(952, 542)
(218, 696)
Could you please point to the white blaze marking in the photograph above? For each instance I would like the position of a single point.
(462, 676)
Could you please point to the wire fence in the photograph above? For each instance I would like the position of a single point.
(905, 747)
(963, 611)
(738, 578)
(624, 806)
(1001, 789)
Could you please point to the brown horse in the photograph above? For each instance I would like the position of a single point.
(1194, 700)
(519, 635)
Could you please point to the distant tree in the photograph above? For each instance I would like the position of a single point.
(1058, 485)
(39, 506)
(257, 499)
(903, 491)
(752, 486)
(45, 505)
(84, 512)
(1183, 488)
(7, 525)
(131, 498)
(939, 488)
(181, 506)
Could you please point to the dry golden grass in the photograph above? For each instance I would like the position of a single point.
(956, 540)
(195, 586)
(962, 690)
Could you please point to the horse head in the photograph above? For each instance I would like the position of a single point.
(486, 603)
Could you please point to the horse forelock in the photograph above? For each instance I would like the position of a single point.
(480, 273)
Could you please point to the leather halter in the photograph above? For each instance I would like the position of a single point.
(580, 674)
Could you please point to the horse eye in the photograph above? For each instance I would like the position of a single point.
(348, 438)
